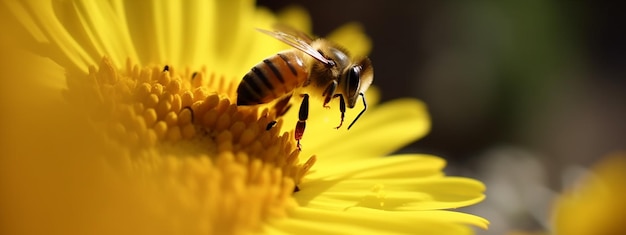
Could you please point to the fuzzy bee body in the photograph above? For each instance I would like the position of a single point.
(272, 78)
(314, 67)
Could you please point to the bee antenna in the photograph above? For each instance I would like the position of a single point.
(362, 111)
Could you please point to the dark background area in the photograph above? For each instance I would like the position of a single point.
(534, 87)
(493, 73)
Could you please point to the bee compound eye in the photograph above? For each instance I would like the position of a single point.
(354, 78)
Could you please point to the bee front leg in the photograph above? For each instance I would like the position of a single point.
(329, 92)
(303, 114)
(342, 109)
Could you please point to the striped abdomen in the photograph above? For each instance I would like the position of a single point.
(272, 78)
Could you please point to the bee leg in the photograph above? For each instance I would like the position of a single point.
(302, 116)
(342, 109)
(329, 92)
(280, 108)
(360, 113)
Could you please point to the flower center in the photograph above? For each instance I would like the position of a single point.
(185, 128)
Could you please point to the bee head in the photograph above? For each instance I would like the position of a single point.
(358, 77)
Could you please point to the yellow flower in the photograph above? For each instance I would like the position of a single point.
(596, 205)
(119, 118)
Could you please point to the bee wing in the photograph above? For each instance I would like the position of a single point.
(292, 31)
(298, 43)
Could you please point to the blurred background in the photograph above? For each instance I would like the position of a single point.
(524, 95)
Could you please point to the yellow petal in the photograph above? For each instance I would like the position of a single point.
(380, 131)
(367, 221)
(351, 37)
(101, 26)
(408, 182)
(48, 29)
(296, 17)
(389, 167)
(597, 205)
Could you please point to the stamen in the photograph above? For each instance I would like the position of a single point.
(155, 114)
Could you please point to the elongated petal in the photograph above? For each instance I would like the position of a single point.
(364, 221)
(351, 36)
(393, 183)
(380, 131)
(105, 29)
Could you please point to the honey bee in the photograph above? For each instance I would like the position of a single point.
(315, 67)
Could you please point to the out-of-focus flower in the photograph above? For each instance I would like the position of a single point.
(596, 205)
(119, 118)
